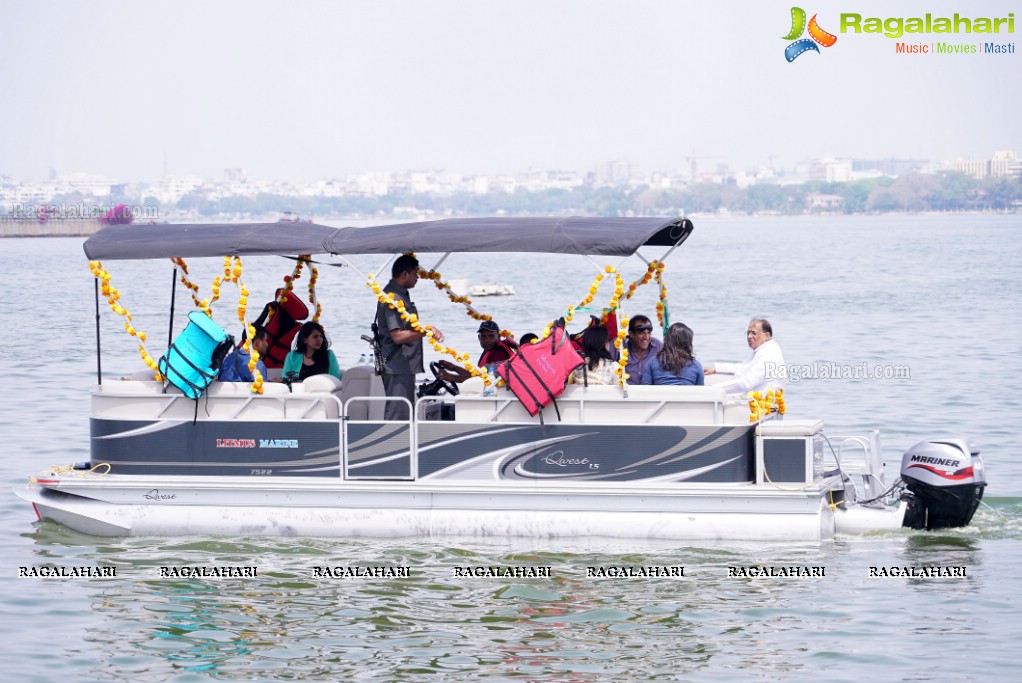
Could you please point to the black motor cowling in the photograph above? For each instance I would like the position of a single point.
(945, 478)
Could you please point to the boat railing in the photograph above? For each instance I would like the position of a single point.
(859, 457)
(222, 401)
(366, 436)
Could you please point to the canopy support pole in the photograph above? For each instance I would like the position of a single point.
(352, 266)
(173, 292)
(99, 354)
(591, 260)
(440, 262)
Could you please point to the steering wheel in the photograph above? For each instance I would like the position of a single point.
(448, 386)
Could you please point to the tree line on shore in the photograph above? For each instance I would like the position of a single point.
(915, 192)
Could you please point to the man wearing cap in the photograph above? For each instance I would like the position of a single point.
(400, 343)
(642, 346)
(495, 351)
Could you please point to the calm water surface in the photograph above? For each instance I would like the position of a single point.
(936, 295)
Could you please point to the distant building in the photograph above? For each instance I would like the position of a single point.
(1003, 164)
(94, 185)
(830, 170)
(614, 173)
(817, 202)
(889, 167)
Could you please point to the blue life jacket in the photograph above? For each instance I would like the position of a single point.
(195, 356)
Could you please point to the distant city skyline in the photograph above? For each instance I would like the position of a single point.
(314, 90)
(609, 171)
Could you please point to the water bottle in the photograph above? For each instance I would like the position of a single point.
(362, 360)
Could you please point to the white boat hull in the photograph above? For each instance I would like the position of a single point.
(110, 507)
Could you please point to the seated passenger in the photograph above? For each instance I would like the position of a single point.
(496, 350)
(642, 347)
(675, 364)
(312, 354)
(527, 338)
(600, 365)
(235, 367)
(762, 371)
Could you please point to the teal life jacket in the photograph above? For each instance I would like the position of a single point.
(196, 355)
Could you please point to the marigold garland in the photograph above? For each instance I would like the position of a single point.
(313, 301)
(289, 280)
(112, 297)
(242, 303)
(619, 288)
(437, 280)
(193, 289)
(253, 359)
(619, 344)
(257, 383)
(644, 280)
(231, 274)
(762, 404)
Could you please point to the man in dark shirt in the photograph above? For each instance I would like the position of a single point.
(401, 344)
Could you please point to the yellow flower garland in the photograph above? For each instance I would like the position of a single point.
(193, 288)
(257, 383)
(762, 404)
(615, 299)
(112, 297)
(253, 359)
(438, 281)
(650, 270)
(312, 294)
(619, 344)
(661, 306)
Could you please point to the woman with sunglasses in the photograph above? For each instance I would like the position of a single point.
(642, 346)
(675, 363)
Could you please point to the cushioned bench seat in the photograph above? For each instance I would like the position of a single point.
(317, 398)
(607, 405)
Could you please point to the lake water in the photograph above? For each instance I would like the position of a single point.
(934, 294)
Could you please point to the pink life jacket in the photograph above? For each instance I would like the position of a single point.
(538, 373)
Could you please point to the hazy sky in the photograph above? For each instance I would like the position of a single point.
(304, 90)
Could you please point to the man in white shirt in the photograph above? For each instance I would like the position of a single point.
(765, 367)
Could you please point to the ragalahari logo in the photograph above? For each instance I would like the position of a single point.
(803, 45)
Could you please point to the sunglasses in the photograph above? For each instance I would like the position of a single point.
(644, 328)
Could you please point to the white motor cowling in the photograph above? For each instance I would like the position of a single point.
(946, 479)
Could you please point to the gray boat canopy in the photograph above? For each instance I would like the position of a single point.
(575, 235)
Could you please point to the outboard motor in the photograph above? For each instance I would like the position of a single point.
(946, 480)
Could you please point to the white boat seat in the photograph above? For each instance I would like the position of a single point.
(362, 380)
(602, 404)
